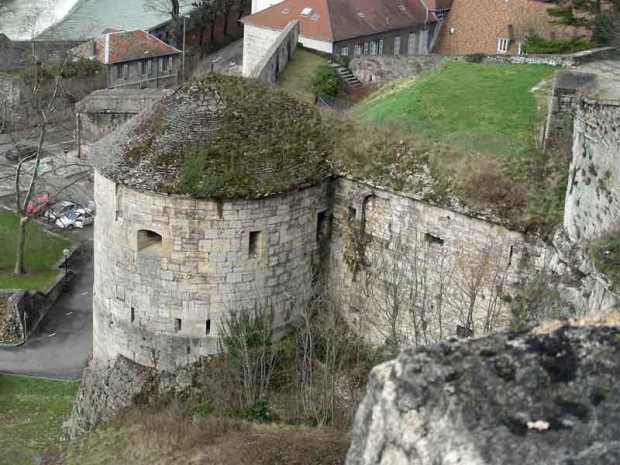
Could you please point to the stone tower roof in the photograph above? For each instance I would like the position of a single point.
(220, 137)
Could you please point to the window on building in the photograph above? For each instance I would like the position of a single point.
(397, 45)
(119, 71)
(125, 71)
(433, 239)
(208, 327)
(380, 51)
(357, 50)
(423, 42)
(521, 48)
(344, 51)
(502, 45)
(165, 64)
(322, 226)
(254, 245)
(352, 213)
(141, 67)
(161, 65)
(177, 325)
(373, 48)
(149, 241)
(133, 314)
(411, 43)
(170, 63)
(149, 66)
(366, 48)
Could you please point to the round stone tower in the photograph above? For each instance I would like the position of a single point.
(215, 200)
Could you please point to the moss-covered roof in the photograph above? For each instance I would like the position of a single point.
(221, 137)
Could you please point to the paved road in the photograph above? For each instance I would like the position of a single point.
(64, 339)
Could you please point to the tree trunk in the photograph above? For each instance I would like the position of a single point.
(21, 245)
(226, 17)
(212, 33)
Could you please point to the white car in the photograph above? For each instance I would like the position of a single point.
(77, 218)
(58, 210)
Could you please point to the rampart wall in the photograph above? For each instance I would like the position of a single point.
(592, 208)
(430, 272)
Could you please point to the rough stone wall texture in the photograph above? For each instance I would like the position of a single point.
(256, 42)
(568, 90)
(440, 268)
(549, 399)
(152, 305)
(592, 207)
(277, 56)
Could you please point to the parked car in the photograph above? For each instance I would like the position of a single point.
(19, 152)
(77, 218)
(59, 210)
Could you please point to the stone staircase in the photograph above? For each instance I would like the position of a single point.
(347, 76)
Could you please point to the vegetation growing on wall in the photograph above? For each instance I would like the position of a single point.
(606, 255)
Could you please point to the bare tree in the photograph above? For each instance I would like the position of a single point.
(206, 15)
(248, 342)
(171, 8)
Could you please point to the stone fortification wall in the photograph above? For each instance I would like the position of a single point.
(169, 268)
(277, 56)
(568, 90)
(105, 110)
(444, 272)
(256, 42)
(592, 208)
(381, 70)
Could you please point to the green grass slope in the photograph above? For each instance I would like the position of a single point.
(42, 251)
(486, 107)
(31, 415)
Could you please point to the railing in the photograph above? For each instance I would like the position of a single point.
(334, 103)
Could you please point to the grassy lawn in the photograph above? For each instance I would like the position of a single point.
(297, 76)
(31, 414)
(486, 107)
(42, 251)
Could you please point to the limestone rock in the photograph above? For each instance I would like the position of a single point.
(107, 389)
(504, 399)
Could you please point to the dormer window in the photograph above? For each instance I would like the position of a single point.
(502, 45)
(306, 11)
(286, 11)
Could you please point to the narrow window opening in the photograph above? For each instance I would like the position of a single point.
(510, 255)
(254, 247)
(149, 240)
(322, 226)
(433, 239)
(177, 325)
(133, 314)
(352, 213)
(208, 327)
(188, 350)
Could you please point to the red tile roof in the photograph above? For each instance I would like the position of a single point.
(124, 46)
(335, 20)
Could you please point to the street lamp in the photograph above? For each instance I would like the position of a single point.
(183, 65)
(65, 254)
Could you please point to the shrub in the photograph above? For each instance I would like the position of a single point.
(538, 45)
(326, 81)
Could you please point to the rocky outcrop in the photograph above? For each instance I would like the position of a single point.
(107, 389)
(504, 399)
